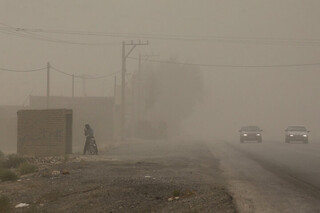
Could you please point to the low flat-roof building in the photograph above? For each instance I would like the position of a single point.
(96, 111)
(44, 132)
(8, 128)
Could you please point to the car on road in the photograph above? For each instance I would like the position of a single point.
(250, 133)
(296, 133)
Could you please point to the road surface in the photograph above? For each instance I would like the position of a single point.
(271, 176)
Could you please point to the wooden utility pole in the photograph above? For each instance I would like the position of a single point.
(123, 93)
(123, 81)
(139, 89)
(48, 85)
(72, 85)
(84, 85)
(115, 88)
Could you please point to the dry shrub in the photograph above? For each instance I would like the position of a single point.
(4, 204)
(8, 175)
(1, 155)
(26, 168)
(2, 159)
(13, 161)
(176, 193)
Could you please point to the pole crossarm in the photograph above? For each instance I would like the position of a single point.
(134, 46)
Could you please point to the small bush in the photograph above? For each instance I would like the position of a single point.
(1, 155)
(13, 161)
(1, 159)
(4, 204)
(7, 175)
(26, 168)
(176, 193)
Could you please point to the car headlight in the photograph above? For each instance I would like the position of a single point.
(291, 135)
(245, 134)
(305, 136)
(258, 134)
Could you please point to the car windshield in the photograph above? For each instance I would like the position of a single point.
(250, 128)
(297, 128)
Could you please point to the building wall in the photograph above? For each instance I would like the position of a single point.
(8, 128)
(42, 132)
(96, 111)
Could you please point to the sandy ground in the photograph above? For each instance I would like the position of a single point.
(149, 176)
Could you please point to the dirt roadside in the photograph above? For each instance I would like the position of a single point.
(144, 176)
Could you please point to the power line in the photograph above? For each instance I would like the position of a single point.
(62, 72)
(49, 39)
(227, 65)
(59, 71)
(205, 38)
(22, 71)
(160, 36)
(81, 76)
(103, 76)
(26, 34)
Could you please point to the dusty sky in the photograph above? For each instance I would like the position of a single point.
(270, 97)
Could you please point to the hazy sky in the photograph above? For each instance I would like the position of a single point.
(269, 92)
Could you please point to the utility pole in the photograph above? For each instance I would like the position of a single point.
(48, 85)
(84, 85)
(72, 85)
(139, 90)
(123, 80)
(115, 111)
(115, 87)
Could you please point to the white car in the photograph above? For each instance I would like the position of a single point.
(297, 133)
(250, 133)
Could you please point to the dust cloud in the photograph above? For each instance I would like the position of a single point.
(272, 100)
(136, 105)
(210, 93)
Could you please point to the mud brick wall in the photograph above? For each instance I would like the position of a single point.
(8, 126)
(96, 111)
(42, 132)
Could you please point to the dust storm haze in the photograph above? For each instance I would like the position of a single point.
(166, 87)
(230, 33)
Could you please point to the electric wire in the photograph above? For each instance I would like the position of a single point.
(103, 76)
(206, 38)
(82, 76)
(62, 72)
(49, 39)
(227, 65)
(149, 35)
(59, 71)
(22, 71)
(228, 39)
(9, 30)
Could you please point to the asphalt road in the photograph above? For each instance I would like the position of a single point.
(271, 176)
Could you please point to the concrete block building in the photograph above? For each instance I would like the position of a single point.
(8, 128)
(44, 132)
(96, 111)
